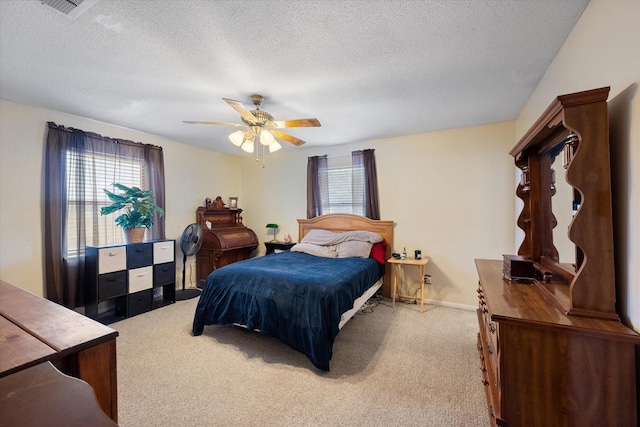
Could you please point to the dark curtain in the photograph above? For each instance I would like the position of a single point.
(366, 159)
(316, 184)
(64, 274)
(154, 159)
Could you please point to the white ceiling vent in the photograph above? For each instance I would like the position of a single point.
(70, 8)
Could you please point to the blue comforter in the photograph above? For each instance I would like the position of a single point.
(293, 296)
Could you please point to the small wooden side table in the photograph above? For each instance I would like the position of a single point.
(281, 246)
(397, 263)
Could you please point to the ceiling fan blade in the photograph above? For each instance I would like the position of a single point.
(296, 123)
(237, 105)
(195, 122)
(286, 137)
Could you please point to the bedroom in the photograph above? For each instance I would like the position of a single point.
(450, 192)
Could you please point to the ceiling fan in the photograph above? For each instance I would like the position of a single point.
(260, 124)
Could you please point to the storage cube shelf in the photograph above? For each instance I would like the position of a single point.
(126, 280)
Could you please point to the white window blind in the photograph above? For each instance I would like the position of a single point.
(346, 187)
(87, 175)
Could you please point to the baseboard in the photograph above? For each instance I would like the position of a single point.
(444, 304)
(451, 304)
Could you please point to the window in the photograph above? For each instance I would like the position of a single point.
(78, 166)
(88, 173)
(344, 187)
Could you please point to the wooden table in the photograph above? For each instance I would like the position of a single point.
(397, 263)
(34, 330)
(43, 396)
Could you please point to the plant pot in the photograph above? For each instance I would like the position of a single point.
(134, 235)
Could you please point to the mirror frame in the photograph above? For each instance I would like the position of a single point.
(585, 287)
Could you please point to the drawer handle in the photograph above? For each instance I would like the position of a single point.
(141, 274)
(164, 248)
(112, 280)
(113, 254)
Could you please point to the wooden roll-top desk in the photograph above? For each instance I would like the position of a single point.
(226, 240)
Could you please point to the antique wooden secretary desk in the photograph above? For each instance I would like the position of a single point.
(226, 240)
(553, 350)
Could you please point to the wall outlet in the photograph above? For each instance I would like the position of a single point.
(427, 279)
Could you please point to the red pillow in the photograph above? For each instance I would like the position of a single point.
(379, 252)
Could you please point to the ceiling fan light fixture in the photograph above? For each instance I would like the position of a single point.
(236, 138)
(248, 145)
(274, 146)
(257, 125)
(266, 137)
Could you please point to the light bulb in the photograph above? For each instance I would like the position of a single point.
(248, 145)
(274, 146)
(266, 138)
(236, 138)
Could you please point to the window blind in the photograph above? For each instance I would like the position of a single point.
(87, 174)
(346, 188)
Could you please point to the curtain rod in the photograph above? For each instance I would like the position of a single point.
(106, 138)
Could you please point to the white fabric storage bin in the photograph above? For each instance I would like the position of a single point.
(163, 252)
(112, 259)
(140, 279)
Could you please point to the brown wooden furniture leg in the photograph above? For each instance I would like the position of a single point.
(97, 366)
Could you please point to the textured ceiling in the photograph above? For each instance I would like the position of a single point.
(365, 69)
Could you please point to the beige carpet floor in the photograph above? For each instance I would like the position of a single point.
(390, 367)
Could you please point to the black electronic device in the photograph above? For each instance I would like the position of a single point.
(518, 268)
(395, 255)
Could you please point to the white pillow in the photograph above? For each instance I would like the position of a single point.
(354, 248)
(362, 236)
(317, 250)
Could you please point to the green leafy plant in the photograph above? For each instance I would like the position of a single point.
(137, 204)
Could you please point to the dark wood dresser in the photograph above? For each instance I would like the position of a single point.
(226, 240)
(542, 367)
(554, 351)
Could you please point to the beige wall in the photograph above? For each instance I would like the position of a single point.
(189, 174)
(603, 49)
(449, 194)
(441, 189)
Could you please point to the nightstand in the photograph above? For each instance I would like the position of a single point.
(397, 263)
(281, 246)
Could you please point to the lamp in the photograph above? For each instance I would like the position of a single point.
(237, 138)
(266, 137)
(274, 227)
(245, 139)
(248, 145)
(274, 146)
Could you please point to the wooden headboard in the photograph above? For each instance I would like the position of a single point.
(339, 223)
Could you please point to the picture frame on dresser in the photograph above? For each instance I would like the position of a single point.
(233, 203)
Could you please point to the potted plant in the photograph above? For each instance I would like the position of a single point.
(138, 210)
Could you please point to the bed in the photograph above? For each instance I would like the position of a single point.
(302, 299)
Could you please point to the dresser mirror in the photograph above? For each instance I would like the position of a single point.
(563, 204)
(550, 203)
(566, 193)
